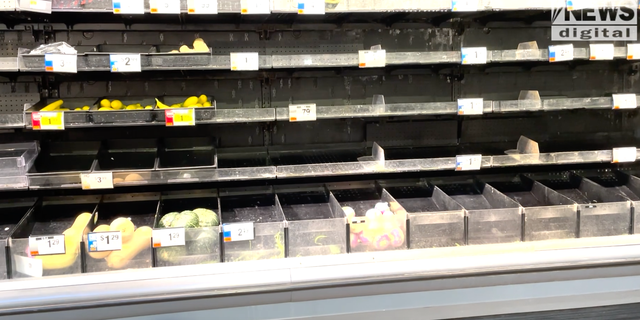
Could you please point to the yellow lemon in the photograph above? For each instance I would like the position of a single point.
(190, 102)
(105, 108)
(206, 104)
(202, 99)
(105, 103)
(116, 105)
(148, 107)
(86, 108)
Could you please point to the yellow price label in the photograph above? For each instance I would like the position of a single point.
(180, 117)
(48, 120)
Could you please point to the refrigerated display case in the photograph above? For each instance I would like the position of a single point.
(351, 159)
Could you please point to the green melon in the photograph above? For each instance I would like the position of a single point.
(186, 219)
(206, 217)
(166, 220)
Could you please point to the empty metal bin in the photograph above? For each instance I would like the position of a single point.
(435, 220)
(130, 160)
(316, 223)
(492, 217)
(59, 164)
(257, 209)
(547, 214)
(602, 211)
(12, 211)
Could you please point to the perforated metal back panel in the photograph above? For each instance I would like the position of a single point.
(14, 102)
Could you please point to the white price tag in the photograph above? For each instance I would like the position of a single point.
(468, 162)
(602, 51)
(255, 6)
(104, 241)
(633, 51)
(125, 62)
(561, 53)
(464, 5)
(302, 112)
(627, 154)
(128, 6)
(237, 231)
(169, 237)
(474, 55)
(43, 245)
(29, 266)
(54, 62)
(372, 58)
(37, 5)
(245, 61)
(624, 101)
(164, 6)
(202, 6)
(311, 6)
(470, 106)
(96, 180)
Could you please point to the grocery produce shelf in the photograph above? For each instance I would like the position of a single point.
(206, 61)
(526, 277)
(64, 169)
(342, 6)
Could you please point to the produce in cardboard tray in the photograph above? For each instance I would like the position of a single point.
(191, 102)
(198, 46)
(106, 105)
(72, 238)
(380, 229)
(57, 106)
(134, 241)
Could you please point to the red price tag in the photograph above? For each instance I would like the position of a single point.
(180, 117)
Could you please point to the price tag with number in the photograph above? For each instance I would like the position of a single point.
(464, 5)
(625, 101)
(302, 112)
(245, 61)
(470, 106)
(202, 6)
(627, 154)
(54, 62)
(468, 162)
(633, 51)
(164, 6)
(125, 62)
(561, 53)
(104, 241)
(311, 6)
(169, 237)
(372, 58)
(47, 120)
(44, 245)
(180, 117)
(237, 231)
(128, 6)
(474, 55)
(601, 51)
(29, 266)
(96, 180)
(255, 6)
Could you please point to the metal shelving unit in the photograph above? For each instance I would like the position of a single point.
(310, 172)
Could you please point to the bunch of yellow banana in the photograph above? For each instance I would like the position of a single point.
(191, 102)
(106, 105)
(198, 46)
(57, 106)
